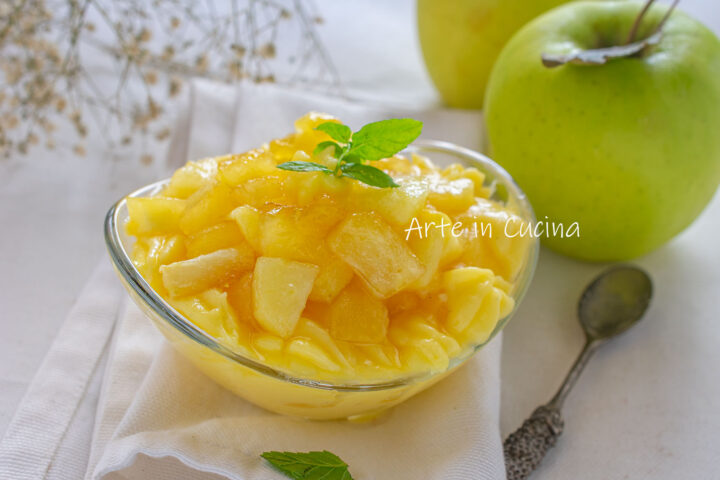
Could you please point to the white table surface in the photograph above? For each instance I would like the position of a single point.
(648, 405)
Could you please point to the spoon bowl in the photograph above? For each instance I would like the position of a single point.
(614, 302)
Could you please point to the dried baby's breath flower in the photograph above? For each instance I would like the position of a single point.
(79, 150)
(151, 78)
(146, 159)
(201, 63)
(162, 134)
(267, 50)
(174, 87)
(238, 49)
(10, 122)
(168, 53)
(144, 35)
(45, 78)
(236, 70)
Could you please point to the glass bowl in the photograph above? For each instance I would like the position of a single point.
(281, 391)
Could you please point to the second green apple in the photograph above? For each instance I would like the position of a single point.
(462, 38)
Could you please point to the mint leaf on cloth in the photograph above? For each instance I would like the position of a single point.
(310, 465)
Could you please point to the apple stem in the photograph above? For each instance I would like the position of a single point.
(667, 15)
(638, 20)
(600, 56)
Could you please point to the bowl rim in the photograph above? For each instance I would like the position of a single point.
(133, 279)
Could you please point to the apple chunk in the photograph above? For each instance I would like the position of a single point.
(280, 289)
(376, 253)
(206, 271)
(357, 315)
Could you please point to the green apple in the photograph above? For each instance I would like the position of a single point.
(461, 39)
(630, 149)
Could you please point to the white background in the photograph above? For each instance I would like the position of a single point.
(647, 407)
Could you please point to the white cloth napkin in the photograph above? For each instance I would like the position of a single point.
(158, 417)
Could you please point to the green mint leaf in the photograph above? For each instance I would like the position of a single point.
(367, 174)
(329, 143)
(352, 158)
(309, 466)
(300, 166)
(385, 138)
(337, 131)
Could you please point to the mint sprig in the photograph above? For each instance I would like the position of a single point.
(374, 141)
(310, 465)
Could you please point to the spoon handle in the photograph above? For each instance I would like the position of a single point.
(525, 448)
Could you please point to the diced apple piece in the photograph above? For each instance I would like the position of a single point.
(285, 234)
(283, 148)
(154, 216)
(248, 219)
(428, 244)
(257, 192)
(239, 294)
(452, 250)
(280, 291)
(298, 233)
(191, 177)
(166, 249)
(452, 196)
(223, 235)
(358, 316)
(160, 250)
(206, 207)
(396, 205)
(333, 276)
(503, 254)
(376, 253)
(478, 179)
(402, 302)
(306, 137)
(206, 271)
(235, 170)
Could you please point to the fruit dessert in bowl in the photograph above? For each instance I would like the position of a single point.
(328, 274)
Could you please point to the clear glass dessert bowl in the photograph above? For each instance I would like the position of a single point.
(286, 392)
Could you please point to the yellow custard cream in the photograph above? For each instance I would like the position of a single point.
(324, 277)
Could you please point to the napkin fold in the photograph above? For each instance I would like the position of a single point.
(158, 417)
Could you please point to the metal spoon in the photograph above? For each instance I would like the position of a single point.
(611, 304)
